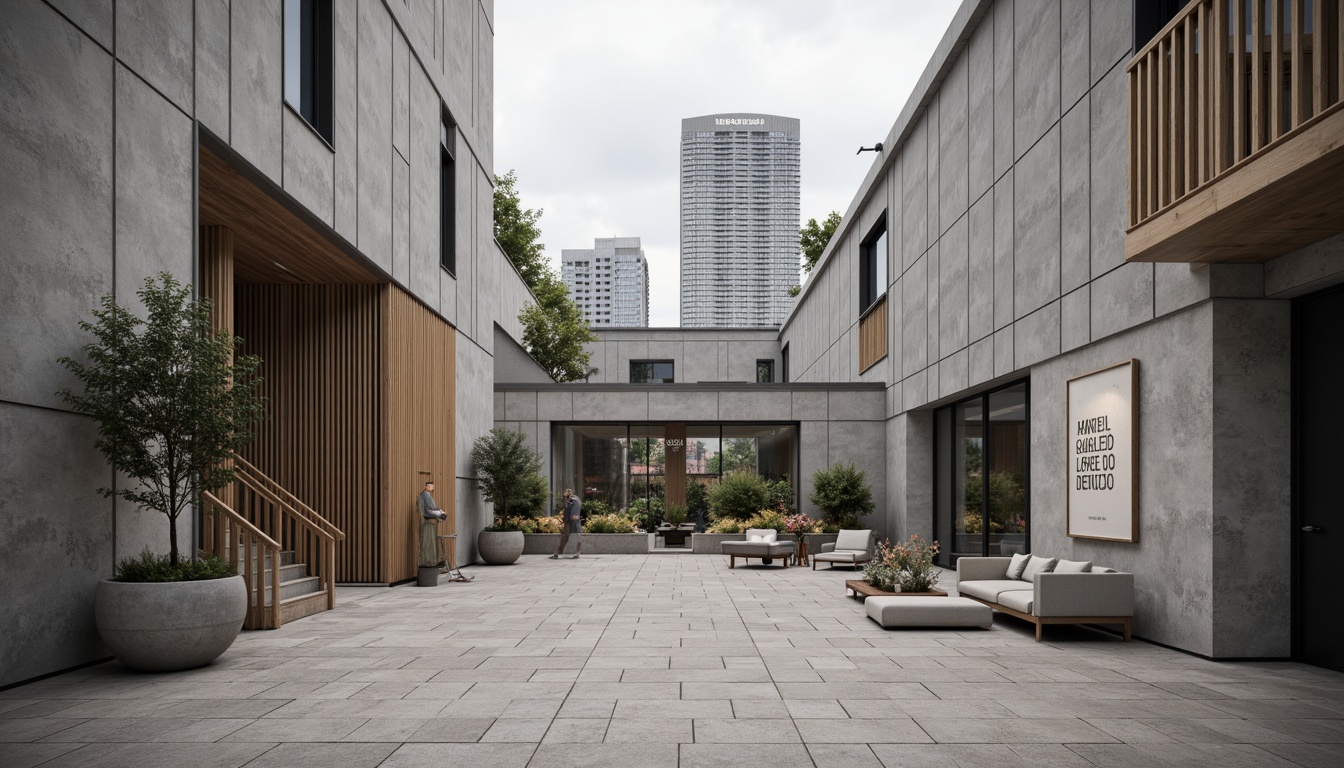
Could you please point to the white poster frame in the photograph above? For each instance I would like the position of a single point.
(1128, 386)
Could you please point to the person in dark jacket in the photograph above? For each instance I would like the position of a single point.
(571, 524)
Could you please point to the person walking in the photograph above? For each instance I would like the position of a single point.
(571, 524)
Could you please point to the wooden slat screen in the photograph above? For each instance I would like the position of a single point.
(1222, 83)
(418, 425)
(873, 334)
(319, 346)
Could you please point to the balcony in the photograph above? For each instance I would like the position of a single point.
(1236, 132)
(873, 334)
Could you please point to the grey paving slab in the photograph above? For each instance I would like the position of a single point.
(671, 661)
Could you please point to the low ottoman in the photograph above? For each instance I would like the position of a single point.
(928, 612)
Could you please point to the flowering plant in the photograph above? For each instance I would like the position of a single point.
(908, 565)
(799, 524)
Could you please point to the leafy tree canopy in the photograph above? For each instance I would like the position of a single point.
(171, 401)
(505, 468)
(555, 332)
(517, 232)
(842, 492)
(813, 238)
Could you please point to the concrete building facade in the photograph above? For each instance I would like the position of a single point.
(609, 282)
(740, 176)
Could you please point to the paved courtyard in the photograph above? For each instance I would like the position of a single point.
(671, 660)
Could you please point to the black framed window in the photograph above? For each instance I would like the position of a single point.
(447, 197)
(873, 266)
(308, 62)
(981, 475)
(765, 371)
(652, 372)
(784, 364)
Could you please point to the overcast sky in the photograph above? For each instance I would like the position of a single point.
(590, 94)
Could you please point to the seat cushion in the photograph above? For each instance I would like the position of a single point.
(837, 557)
(928, 612)
(990, 590)
(757, 548)
(853, 540)
(1018, 599)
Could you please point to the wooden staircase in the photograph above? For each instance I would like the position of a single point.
(283, 549)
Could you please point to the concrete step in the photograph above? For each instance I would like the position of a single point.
(303, 605)
(306, 585)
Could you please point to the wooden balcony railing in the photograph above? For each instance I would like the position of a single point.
(1224, 84)
(260, 520)
(873, 334)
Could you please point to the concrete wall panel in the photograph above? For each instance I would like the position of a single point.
(1122, 299)
(1075, 55)
(685, 406)
(55, 196)
(914, 178)
(1110, 164)
(1075, 318)
(981, 96)
(94, 17)
(914, 300)
(1035, 71)
(401, 94)
(425, 170)
(954, 147)
(1004, 57)
(345, 119)
(401, 219)
(954, 288)
(212, 66)
(980, 263)
(310, 167)
(256, 85)
(459, 28)
(1036, 336)
(375, 134)
(483, 111)
(156, 40)
(1112, 35)
(1075, 198)
(1036, 244)
(1004, 228)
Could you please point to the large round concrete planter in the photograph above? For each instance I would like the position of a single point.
(167, 626)
(500, 547)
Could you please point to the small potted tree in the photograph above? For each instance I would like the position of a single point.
(172, 405)
(842, 493)
(505, 472)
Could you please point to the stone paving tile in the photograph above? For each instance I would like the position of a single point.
(672, 661)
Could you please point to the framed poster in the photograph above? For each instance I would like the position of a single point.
(1103, 452)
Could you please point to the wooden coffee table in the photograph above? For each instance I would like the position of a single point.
(863, 590)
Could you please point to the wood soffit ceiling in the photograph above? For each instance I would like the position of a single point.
(272, 244)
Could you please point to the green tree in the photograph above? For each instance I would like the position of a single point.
(813, 237)
(842, 493)
(555, 332)
(505, 467)
(738, 495)
(172, 402)
(517, 232)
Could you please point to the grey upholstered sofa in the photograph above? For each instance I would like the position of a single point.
(760, 543)
(850, 548)
(1048, 591)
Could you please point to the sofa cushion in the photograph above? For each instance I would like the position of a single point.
(1018, 599)
(1073, 566)
(1015, 567)
(765, 534)
(1036, 565)
(839, 557)
(853, 540)
(990, 590)
(1101, 569)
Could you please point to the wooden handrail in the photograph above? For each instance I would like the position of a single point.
(1224, 81)
(250, 553)
(295, 504)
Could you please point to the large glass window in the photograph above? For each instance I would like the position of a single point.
(308, 62)
(981, 491)
(652, 372)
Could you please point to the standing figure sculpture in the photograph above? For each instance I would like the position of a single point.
(571, 524)
(430, 515)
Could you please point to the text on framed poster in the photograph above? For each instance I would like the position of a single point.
(1103, 489)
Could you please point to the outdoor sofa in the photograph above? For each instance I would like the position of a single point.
(850, 548)
(762, 543)
(1049, 591)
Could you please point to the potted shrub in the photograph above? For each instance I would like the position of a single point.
(843, 495)
(172, 404)
(506, 472)
(738, 495)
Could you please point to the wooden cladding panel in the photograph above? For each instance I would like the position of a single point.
(873, 335)
(319, 346)
(418, 425)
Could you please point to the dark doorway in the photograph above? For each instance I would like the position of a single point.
(1317, 519)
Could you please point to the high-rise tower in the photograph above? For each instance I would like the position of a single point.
(610, 282)
(739, 219)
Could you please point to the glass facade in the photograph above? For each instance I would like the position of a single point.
(635, 466)
(981, 489)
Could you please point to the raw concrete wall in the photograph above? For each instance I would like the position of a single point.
(698, 355)
(96, 136)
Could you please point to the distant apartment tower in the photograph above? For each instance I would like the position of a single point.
(739, 219)
(610, 282)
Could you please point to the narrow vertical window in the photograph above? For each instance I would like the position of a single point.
(765, 371)
(308, 62)
(784, 364)
(447, 198)
(873, 266)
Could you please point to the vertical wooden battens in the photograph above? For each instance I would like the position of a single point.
(873, 334)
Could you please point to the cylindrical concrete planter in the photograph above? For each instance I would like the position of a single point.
(162, 627)
(427, 576)
(500, 547)
(593, 543)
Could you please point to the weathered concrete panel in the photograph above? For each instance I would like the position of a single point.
(953, 373)
(1036, 228)
(425, 204)
(914, 178)
(401, 94)
(256, 85)
(981, 266)
(1036, 336)
(611, 406)
(555, 406)
(153, 187)
(1316, 266)
(810, 406)
(861, 443)
(1110, 165)
(1035, 71)
(1176, 286)
(55, 196)
(375, 134)
(816, 436)
(92, 16)
(401, 220)
(1075, 318)
(954, 149)
(1004, 219)
(345, 105)
(1122, 299)
(1003, 352)
(1075, 198)
(756, 405)
(156, 39)
(981, 365)
(53, 559)
(520, 406)
(855, 406)
(981, 89)
(212, 66)
(684, 406)
(484, 109)
(914, 390)
(1075, 56)
(954, 290)
(1112, 35)
(934, 122)
(310, 167)
(459, 27)
(935, 273)
(1004, 53)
